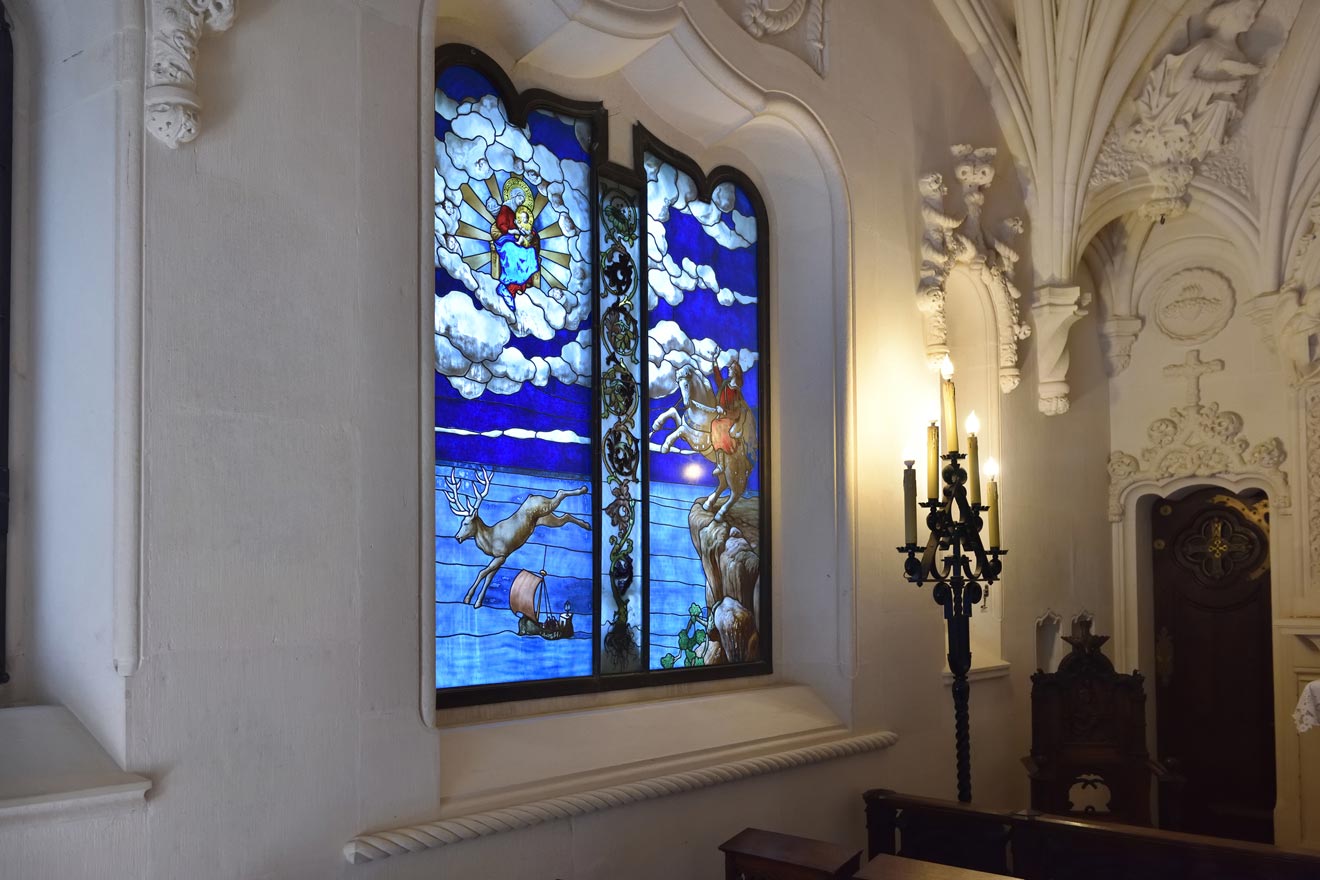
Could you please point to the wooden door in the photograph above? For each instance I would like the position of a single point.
(1214, 670)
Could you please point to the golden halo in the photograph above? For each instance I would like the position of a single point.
(517, 183)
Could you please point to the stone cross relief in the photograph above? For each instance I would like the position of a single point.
(1193, 370)
(1196, 440)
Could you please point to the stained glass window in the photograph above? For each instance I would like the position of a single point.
(599, 390)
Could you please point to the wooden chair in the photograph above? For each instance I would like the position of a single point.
(1088, 740)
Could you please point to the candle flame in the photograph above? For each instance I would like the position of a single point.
(946, 367)
(991, 468)
(909, 455)
(973, 423)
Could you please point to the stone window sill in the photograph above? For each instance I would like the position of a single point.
(50, 767)
(505, 775)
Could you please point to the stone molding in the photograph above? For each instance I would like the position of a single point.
(176, 26)
(1055, 311)
(950, 243)
(1311, 402)
(809, 45)
(1197, 440)
(443, 832)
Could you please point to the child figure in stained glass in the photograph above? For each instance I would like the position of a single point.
(514, 240)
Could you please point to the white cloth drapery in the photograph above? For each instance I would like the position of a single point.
(1307, 713)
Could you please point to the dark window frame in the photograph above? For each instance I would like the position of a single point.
(6, 263)
(519, 105)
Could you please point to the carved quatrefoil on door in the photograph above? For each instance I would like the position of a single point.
(1216, 548)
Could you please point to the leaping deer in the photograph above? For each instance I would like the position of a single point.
(500, 540)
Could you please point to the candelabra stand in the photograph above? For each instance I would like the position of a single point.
(960, 567)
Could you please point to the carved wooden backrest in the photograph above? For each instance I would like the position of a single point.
(1088, 737)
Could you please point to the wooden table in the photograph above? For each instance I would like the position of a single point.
(884, 867)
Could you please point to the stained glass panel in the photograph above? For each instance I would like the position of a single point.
(704, 286)
(621, 428)
(513, 389)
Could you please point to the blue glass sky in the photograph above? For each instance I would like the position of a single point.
(554, 407)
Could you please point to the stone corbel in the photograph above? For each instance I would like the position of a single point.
(171, 97)
(1055, 311)
(1117, 336)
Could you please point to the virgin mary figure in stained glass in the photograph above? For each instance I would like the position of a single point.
(515, 244)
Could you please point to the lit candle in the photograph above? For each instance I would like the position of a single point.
(909, 501)
(950, 413)
(973, 460)
(933, 461)
(992, 499)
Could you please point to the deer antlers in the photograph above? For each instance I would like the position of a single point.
(461, 503)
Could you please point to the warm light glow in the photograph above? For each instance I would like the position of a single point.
(992, 469)
(973, 423)
(946, 367)
(909, 455)
(693, 472)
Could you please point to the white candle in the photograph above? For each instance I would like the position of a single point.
(973, 460)
(950, 407)
(909, 502)
(992, 501)
(933, 461)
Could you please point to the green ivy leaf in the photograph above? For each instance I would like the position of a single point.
(697, 661)
(699, 637)
(683, 641)
(667, 661)
(694, 609)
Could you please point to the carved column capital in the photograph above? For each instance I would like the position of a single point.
(176, 26)
(1055, 311)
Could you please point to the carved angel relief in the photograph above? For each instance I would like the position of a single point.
(1289, 318)
(798, 26)
(1186, 113)
(950, 242)
(172, 103)
(1196, 440)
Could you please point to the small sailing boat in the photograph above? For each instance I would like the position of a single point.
(530, 600)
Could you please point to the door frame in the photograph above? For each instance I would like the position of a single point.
(1134, 613)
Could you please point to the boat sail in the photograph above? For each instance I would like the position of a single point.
(530, 601)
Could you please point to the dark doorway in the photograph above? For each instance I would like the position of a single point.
(1214, 668)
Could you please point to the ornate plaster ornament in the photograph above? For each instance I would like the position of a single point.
(1193, 305)
(1196, 440)
(1187, 109)
(1289, 318)
(1117, 336)
(171, 96)
(949, 243)
(1312, 401)
(806, 16)
(1055, 311)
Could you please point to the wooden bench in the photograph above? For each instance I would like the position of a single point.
(1036, 846)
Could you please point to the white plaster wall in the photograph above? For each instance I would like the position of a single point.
(276, 703)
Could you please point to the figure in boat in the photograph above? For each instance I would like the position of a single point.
(530, 601)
